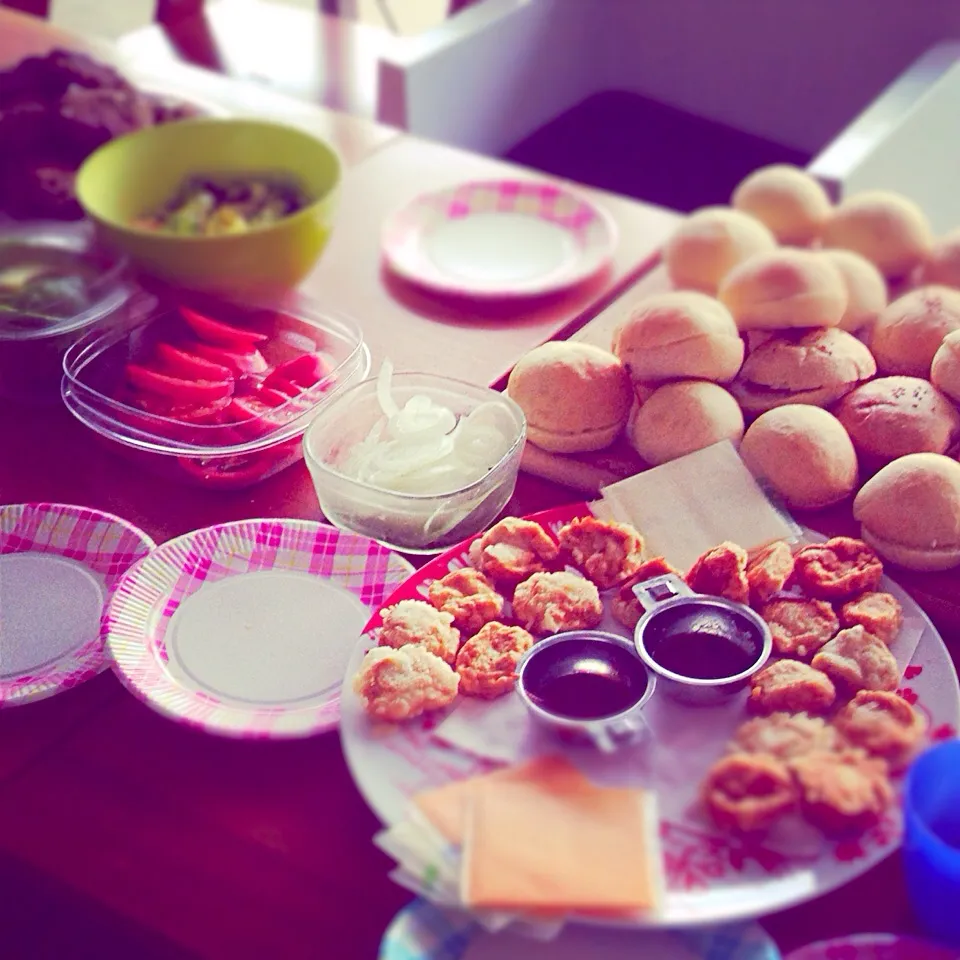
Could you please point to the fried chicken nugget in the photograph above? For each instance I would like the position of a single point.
(624, 605)
(786, 736)
(416, 622)
(883, 724)
(513, 549)
(791, 686)
(398, 684)
(878, 613)
(842, 792)
(555, 602)
(857, 660)
(838, 569)
(748, 792)
(468, 596)
(605, 551)
(721, 572)
(487, 662)
(799, 627)
(769, 570)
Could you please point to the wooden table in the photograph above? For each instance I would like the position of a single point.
(123, 834)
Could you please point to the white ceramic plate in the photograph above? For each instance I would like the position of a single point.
(499, 238)
(712, 877)
(58, 565)
(245, 629)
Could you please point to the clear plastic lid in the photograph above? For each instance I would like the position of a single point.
(55, 280)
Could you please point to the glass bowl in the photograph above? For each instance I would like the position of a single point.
(410, 522)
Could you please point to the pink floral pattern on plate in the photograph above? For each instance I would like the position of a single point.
(106, 545)
(592, 230)
(144, 603)
(710, 876)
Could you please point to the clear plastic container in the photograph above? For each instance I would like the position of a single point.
(236, 441)
(55, 286)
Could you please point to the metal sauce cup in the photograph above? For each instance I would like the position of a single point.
(588, 687)
(703, 649)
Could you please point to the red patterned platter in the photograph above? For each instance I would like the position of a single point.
(711, 876)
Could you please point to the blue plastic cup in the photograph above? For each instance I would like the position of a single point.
(931, 847)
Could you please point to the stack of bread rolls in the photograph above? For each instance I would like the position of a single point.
(781, 336)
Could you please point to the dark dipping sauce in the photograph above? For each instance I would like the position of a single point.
(703, 643)
(585, 679)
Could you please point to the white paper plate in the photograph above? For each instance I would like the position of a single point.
(499, 238)
(245, 628)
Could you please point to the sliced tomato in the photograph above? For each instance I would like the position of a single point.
(183, 391)
(303, 371)
(241, 363)
(190, 365)
(222, 334)
(253, 417)
(273, 397)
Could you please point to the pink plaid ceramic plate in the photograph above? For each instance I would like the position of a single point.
(58, 564)
(874, 946)
(499, 238)
(245, 629)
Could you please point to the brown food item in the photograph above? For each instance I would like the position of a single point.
(575, 396)
(555, 602)
(721, 572)
(748, 792)
(784, 288)
(891, 231)
(786, 736)
(679, 335)
(803, 454)
(468, 596)
(878, 613)
(679, 418)
(605, 551)
(786, 199)
(397, 684)
(416, 622)
(839, 569)
(799, 627)
(792, 686)
(768, 570)
(943, 264)
(894, 416)
(883, 724)
(945, 369)
(487, 662)
(512, 549)
(857, 660)
(910, 511)
(806, 366)
(624, 605)
(710, 243)
(866, 289)
(907, 335)
(842, 792)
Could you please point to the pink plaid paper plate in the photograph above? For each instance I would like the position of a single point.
(245, 629)
(58, 565)
(499, 238)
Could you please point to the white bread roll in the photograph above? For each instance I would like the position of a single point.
(803, 454)
(679, 335)
(679, 418)
(786, 199)
(802, 366)
(575, 396)
(945, 369)
(709, 243)
(893, 416)
(909, 332)
(909, 512)
(785, 288)
(891, 231)
(943, 264)
(866, 289)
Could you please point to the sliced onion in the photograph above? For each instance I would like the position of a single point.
(384, 397)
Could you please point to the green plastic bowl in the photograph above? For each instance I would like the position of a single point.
(137, 174)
